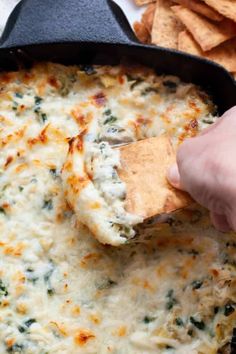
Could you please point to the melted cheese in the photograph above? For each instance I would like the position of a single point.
(60, 290)
(133, 107)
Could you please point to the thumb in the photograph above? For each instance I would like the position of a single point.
(173, 176)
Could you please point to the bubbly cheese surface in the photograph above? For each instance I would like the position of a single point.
(61, 291)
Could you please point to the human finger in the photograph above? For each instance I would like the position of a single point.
(220, 222)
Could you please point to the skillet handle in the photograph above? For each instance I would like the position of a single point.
(49, 21)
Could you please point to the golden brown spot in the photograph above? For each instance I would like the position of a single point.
(83, 336)
(19, 277)
(4, 303)
(14, 251)
(41, 138)
(20, 289)
(28, 77)
(75, 311)
(53, 82)
(7, 77)
(21, 308)
(215, 272)
(143, 283)
(143, 121)
(95, 205)
(193, 105)
(95, 319)
(21, 167)
(92, 258)
(16, 136)
(8, 161)
(59, 327)
(121, 79)
(122, 331)
(71, 148)
(10, 342)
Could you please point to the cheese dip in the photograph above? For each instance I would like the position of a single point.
(62, 291)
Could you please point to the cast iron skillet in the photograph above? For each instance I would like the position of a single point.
(96, 31)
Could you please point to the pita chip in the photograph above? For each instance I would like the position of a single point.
(207, 34)
(225, 7)
(143, 2)
(141, 32)
(166, 26)
(144, 166)
(224, 54)
(201, 8)
(148, 16)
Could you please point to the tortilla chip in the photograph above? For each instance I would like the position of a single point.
(224, 7)
(141, 32)
(201, 8)
(148, 16)
(224, 54)
(166, 26)
(144, 168)
(207, 34)
(143, 2)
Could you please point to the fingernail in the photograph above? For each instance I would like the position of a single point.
(173, 176)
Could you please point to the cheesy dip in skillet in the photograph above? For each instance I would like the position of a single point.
(61, 291)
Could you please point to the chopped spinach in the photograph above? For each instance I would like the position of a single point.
(148, 90)
(23, 328)
(170, 85)
(53, 172)
(110, 120)
(207, 120)
(47, 279)
(2, 210)
(37, 100)
(148, 319)
(196, 284)
(18, 95)
(107, 112)
(47, 204)
(190, 332)
(30, 276)
(44, 117)
(130, 77)
(37, 110)
(15, 348)
(198, 324)
(171, 300)
(41, 117)
(216, 309)
(50, 291)
(29, 322)
(15, 106)
(3, 289)
(48, 275)
(169, 347)
(88, 69)
(228, 310)
(109, 283)
(137, 81)
(179, 322)
(20, 188)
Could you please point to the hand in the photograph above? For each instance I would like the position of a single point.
(206, 169)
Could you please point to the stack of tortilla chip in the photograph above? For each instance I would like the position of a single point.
(201, 27)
